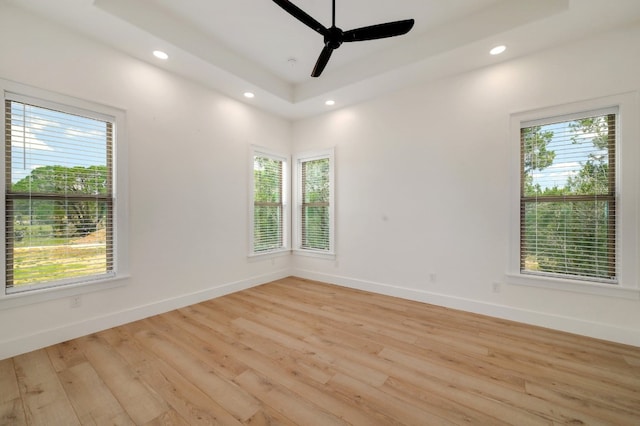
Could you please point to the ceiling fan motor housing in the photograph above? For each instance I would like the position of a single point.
(333, 38)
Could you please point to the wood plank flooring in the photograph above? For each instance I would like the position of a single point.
(306, 353)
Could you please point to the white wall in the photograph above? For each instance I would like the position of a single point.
(423, 186)
(188, 181)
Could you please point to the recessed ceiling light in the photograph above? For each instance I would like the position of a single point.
(160, 54)
(249, 95)
(330, 102)
(498, 50)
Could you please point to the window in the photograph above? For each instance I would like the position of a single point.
(314, 202)
(60, 194)
(575, 222)
(568, 197)
(269, 216)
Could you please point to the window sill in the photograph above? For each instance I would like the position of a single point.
(584, 287)
(9, 301)
(269, 254)
(315, 253)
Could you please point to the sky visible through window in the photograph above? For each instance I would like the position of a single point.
(568, 160)
(44, 137)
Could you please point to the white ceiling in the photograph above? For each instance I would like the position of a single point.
(235, 46)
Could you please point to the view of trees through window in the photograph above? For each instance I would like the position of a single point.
(568, 202)
(315, 205)
(58, 198)
(268, 208)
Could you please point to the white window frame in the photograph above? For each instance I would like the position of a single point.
(286, 208)
(297, 225)
(46, 99)
(627, 197)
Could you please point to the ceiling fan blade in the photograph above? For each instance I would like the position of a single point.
(323, 59)
(301, 16)
(373, 32)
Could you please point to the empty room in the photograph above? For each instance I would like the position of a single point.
(318, 212)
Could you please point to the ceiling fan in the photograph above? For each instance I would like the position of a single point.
(334, 36)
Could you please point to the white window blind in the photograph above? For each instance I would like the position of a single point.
(269, 203)
(315, 204)
(314, 195)
(568, 197)
(59, 196)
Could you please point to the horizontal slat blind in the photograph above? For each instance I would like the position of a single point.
(568, 198)
(268, 206)
(315, 204)
(59, 196)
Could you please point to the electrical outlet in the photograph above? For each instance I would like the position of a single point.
(75, 302)
(496, 287)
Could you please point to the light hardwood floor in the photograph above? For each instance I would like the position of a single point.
(307, 353)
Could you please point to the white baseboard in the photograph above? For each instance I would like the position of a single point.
(542, 319)
(44, 338)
